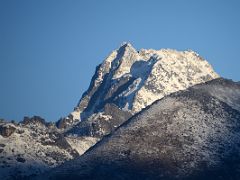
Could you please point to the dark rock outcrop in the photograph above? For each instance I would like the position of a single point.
(33, 120)
(102, 123)
(7, 130)
(21, 159)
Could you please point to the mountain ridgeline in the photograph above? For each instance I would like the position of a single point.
(147, 114)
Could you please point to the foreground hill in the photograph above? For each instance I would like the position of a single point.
(190, 134)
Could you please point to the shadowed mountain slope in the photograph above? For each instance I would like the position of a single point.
(190, 134)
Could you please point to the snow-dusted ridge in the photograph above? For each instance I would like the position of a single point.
(31, 147)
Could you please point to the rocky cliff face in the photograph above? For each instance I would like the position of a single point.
(190, 134)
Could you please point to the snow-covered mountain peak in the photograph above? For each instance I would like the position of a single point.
(134, 79)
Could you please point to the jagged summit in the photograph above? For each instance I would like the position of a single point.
(134, 79)
(124, 46)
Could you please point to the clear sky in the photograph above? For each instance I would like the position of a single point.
(49, 48)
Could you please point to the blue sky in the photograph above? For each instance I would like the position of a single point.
(49, 48)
